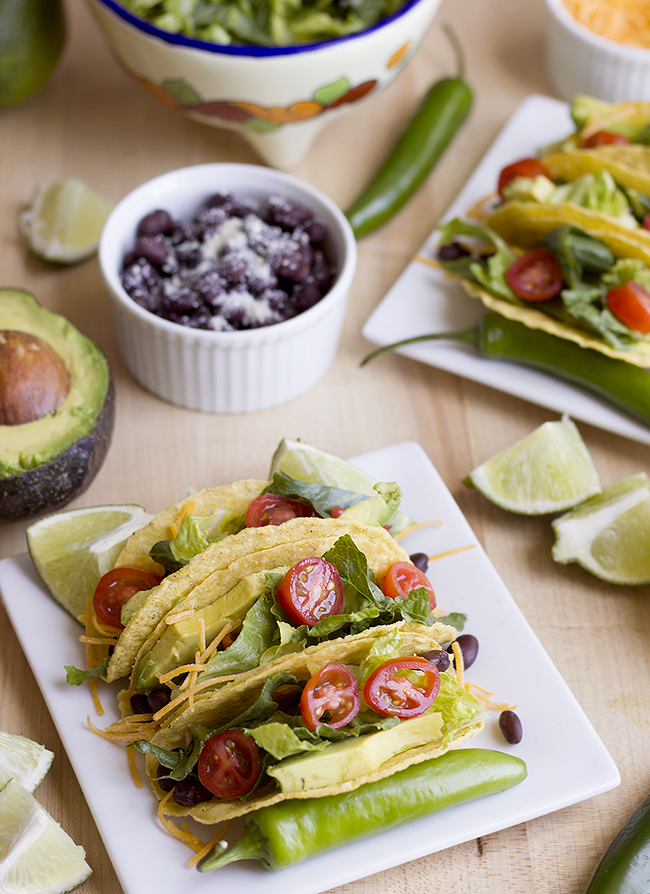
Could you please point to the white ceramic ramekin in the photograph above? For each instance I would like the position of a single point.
(226, 372)
(581, 61)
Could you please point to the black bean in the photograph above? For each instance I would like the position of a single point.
(469, 648)
(140, 704)
(452, 252)
(163, 780)
(190, 791)
(510, 726)
(157, 223)
(152, 249)
(158, 698)
(420, 560)
(438, 657)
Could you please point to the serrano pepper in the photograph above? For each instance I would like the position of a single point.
(285, 833)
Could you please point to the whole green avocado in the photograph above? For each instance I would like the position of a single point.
(32, 36)
(57, 408)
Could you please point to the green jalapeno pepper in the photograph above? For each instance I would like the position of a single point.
(498, 338)
(625, 867)
(443, 109)
(282, 834)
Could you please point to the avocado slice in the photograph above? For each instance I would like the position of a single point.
(352, 758)
(46, 462)
(178, 644)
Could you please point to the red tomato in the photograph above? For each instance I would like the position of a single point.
(270, 509)
(631, 304)
(403, 577)
(646, 222)
(115, 589)
(331, 696)
(337, 511)
(604, 138)
(310, 591)
(395, 695)
(229, 764)
(535, 276)
(525, 167)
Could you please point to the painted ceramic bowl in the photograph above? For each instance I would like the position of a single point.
(238, 371)
(277, 98)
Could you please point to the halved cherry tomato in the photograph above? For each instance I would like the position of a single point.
(116, 587)
(403, 577)
(337, 511)
(604, 138)
(270, 509)
(525, 167)
(393, 693)
(646, 222)
(310, 591)
(331, 696)
(631, 304)
(229, 764)
(535, 276)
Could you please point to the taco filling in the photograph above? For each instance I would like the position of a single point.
(591, 287)
(324, 721)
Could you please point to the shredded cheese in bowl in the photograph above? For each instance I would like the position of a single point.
(623, 21)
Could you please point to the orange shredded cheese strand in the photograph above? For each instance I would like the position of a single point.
(201, 637)
(458, 661)
(95, 695)
(186, 837)
(183, 669)
(478, 210)
(180, 616)
(187, 693)
(133, 768)
(451, 552)
(186, 509)
(208, 847)
(415, 527)
(104, 629)
(430, 261)
(623, 21)
(96, 641)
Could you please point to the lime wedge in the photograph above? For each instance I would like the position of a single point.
(36, 855)
(550, 470)
(65, 221)
(23, 760)
(308, 463)
(609, 535)
(72, 550)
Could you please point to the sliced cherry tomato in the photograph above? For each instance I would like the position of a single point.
(310, 591)
(525, 167)
(604, 138)
(337, 511)
(331, 696)
(535, 276)
(403, 577)
(115, 589)
(229, 764)
(393, 693)
(646, 222)
(631, 304)
(270, 509)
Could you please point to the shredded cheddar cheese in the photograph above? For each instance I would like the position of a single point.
(95, 695)
(208, 847)
(186, 510)
(623, 21)
(133, 769)
(415, 527)
(458, 662)
(180, 616)
(183, 834)
(483, 696)
(451, 552)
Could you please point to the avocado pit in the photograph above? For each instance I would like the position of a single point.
(34, 380)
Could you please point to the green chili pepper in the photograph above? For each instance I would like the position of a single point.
(625, 867)
(281, 835)
(498, 338)
(443, 109)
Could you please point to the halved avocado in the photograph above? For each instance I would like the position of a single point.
(54, 438)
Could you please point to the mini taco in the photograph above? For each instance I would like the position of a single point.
(550, 268)
(327, 720)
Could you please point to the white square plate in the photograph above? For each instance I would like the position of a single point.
(566, 760)
(425, 299)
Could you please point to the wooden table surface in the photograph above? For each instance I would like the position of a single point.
(91, 121)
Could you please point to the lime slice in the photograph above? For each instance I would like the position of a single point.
(609, 535)
(550, 470)
(36, 855)
(72, 550)
(23, 760)
(308, 463)
(65, 221)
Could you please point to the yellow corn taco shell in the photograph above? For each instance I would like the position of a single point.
(628, 164)
(523, 225)
(231, 497)
(219, 707)
(218, 569)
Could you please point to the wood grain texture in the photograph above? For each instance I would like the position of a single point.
(91, 121)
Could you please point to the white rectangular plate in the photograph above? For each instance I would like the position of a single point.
(566, 760)
(424, 299)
